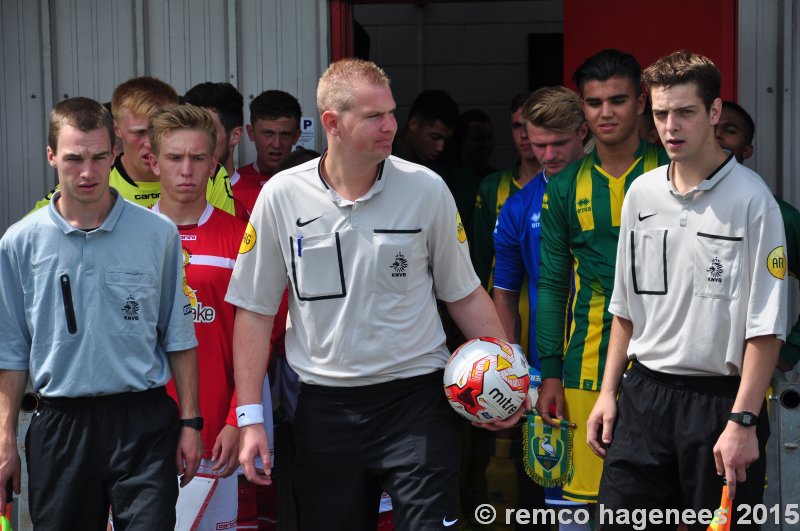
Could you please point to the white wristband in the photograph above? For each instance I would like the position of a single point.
(249, 414)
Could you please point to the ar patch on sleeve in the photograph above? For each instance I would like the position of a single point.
(248, 239)
(461, 234)
(776, 263)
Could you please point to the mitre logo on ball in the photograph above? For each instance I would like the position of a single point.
(486, 379)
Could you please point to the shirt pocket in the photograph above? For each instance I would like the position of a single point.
(317, 269)
(132, 301)
(717, 266)
(399, 258)
(649, 261)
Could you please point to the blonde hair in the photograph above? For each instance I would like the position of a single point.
(141, 96)
(184, 116)
(335, 89)
(555, 108)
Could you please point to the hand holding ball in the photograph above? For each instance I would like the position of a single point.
(486, 379)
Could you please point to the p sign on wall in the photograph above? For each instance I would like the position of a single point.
(307, 128)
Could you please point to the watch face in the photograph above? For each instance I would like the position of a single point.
(745, 418)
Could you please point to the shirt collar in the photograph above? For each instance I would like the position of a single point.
(108, 224)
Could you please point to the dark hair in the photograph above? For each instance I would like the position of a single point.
(222, 98)
(607, 64)
(749, 124)
(274, 104)
(83, 114)
(518, 102)
(684, 67)
(432, 105)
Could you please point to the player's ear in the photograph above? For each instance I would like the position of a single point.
(250, 133)
(716, 111)
(640, 103)
(154, 164)
(330, 121)
(235, 136)
(747, 152)
(51, 157)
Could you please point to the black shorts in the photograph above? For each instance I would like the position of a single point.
(86, 454)
(400, 436)
(661, 455)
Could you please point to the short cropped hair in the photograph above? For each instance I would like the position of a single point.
(681, 68)
(222, 98)
(142, 96)
(606, 64)
(83, 114)
(274, 104)
(749, 124)
(555, 108)
(183, 116)
(433, 105)
(335, 88)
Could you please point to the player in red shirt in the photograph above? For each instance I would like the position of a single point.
(274, 128)
(182, 138)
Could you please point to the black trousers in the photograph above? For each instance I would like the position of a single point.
(400, 436)
(661, 454)
(86, 454)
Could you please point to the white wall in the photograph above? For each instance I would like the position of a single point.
(51, 50)
(476, 51)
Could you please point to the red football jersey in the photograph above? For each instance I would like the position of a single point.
(210, 249)
(246, 184)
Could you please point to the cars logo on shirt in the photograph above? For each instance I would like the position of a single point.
(776, 263)
(248, 239)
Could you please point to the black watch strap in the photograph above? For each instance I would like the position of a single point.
(745, 418)
(195, 423)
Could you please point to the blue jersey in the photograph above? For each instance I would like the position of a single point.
(516, 244)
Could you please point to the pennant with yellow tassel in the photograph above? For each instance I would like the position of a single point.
(548, 454)
(722, 516)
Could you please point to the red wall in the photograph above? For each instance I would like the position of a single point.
(650, 29)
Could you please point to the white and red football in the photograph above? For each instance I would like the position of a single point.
(486, 379)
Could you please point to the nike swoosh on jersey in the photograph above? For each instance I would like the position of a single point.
(448, 523)
(642, 218)
(304, 223)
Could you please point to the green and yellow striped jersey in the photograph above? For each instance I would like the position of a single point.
(493, 192)
(581, 213)
(147, 193)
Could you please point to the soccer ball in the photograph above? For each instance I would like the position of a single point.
(486, 380)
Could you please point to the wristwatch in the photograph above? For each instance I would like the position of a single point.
(745, 418)
(196, 423)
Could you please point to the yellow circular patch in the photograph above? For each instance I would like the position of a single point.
(776, 263)
(248, 239)
(461, 234)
